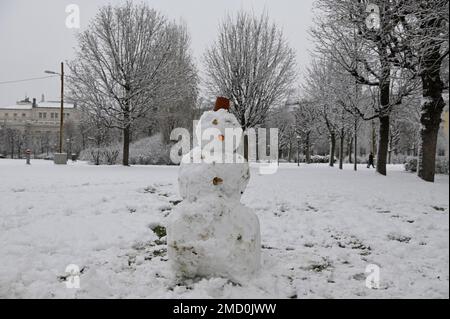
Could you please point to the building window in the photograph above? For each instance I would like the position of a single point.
(52, 115)
(24, 115)
(40, 115)
(6, 114)
(44, 115)
(15, 114)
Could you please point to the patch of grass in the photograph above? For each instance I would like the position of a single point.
(160, 242)
(159, 230)
(160, 252)
(320, 266)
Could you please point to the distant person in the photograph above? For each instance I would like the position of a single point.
(371, 162)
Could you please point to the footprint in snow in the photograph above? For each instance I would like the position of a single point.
(131, 209)
(400, 238)
(175, 202)
(155, 189)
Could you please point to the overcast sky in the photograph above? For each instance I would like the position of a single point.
(34, 38)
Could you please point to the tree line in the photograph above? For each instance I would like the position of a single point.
(134, 74)
(395, 50)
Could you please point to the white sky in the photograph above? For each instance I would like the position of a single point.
(33, 36)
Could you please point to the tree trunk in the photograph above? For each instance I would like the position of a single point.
(308, 149)
(373, 139)
(126, 146)
(246, 146)
(332, 149)
(257, 146)
(383, 144)
(290, 152)
(427, 152)
(355, 165)
(432, 107)
(390, 149)
(341, 150)
(383, 136)
(350, 150)
(19, 151)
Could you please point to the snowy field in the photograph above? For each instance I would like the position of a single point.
(320, 228)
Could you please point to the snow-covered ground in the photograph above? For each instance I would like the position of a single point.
(320, 228)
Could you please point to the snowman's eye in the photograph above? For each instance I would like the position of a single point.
(215, 122)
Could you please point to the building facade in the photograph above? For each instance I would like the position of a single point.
(35, 125)
(42, 116)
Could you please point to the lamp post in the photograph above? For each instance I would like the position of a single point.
(298, 150)
(60, 158)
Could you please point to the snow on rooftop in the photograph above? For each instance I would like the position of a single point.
(54, 104)
(27, 106)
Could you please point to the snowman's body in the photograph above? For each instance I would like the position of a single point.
(211, 233)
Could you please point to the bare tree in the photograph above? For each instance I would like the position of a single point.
(178, 111)
(282, 118)
(128, 62)
(306, 122)
(394, 138)
(10, 136)
(355, 101)
(319, 86)
(363, 39)
(252, 64)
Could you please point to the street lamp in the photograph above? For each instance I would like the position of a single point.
(298, 150)
(60, 158)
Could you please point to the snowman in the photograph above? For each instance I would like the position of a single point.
(211, 234)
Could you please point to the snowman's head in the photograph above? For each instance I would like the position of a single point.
(217, 127)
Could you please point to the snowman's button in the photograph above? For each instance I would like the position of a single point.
(217, 181)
